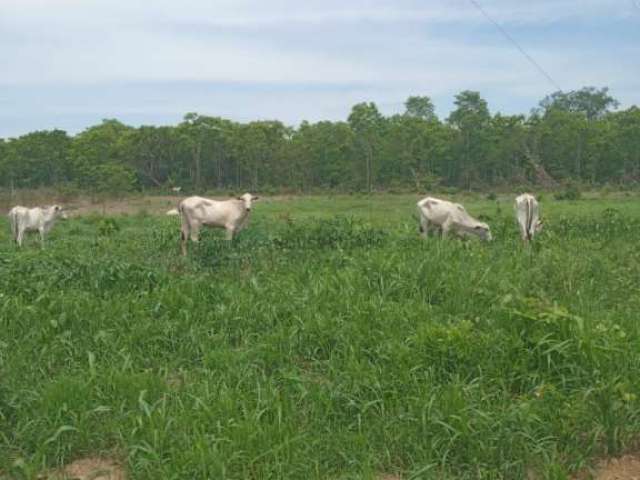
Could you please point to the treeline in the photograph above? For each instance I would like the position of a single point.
(570, 137)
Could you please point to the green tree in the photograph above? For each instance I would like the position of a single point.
(592, 102)
(420, 107)
(367, 123)
(471, 119)
(37, 159)
(153, 152)
(95, 146)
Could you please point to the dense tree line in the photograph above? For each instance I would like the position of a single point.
(576, 136)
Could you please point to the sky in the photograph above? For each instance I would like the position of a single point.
(71, 63)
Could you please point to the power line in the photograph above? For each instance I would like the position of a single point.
(516, 44)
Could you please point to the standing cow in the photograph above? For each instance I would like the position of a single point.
(232, 215)
(42, 219)
(528, 215)
(449, 217)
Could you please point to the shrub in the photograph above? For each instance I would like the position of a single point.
(572, 192)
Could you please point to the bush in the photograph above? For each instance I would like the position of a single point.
(570, 193)
(108, 226)
(67, 192)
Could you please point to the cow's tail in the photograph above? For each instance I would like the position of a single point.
(529, 219)
(184, 224)
(13, 220)
(418, 216)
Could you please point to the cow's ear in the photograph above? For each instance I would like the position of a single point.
(255, 198)
(239, 198)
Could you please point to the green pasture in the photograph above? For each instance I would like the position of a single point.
(328, 341)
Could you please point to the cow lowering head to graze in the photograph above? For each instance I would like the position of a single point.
(195, 212)
(528, 215)
(445, 217)
(42, 219)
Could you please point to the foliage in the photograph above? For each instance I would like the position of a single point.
(573, 136)
(420, 107)
(593, 103)
(571, 192)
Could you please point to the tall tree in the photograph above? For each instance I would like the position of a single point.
(471, 119)
(367, 122)
(96, 146)
(420, 107)
(592, 102)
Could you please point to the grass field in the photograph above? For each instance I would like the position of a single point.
(328, 342)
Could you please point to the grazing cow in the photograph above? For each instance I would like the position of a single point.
(449, 217)
(42, 219)
(527, 213)
(173, 211)
(232, 215)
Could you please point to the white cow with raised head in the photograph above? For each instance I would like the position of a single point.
(41, 219)
(232, 215)
(528, 215)
(448, 217)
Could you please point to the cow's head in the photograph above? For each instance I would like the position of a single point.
(58, 212)
(538, 226)
(247, 198)
(483, 231)
(53, 212)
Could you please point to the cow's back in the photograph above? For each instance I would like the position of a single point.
(207, 211)
(438, 211)
(21, 215)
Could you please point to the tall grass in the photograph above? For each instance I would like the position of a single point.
(322, 347)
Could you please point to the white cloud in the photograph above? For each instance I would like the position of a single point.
(321, 56)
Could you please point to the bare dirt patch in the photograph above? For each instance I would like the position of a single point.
(626, 467)
(91, 468)
(154, 205)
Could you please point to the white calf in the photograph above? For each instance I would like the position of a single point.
(449, 217)
(42, 219)
(232, 215)
(528, 215)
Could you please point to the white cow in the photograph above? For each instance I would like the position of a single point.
(42, 219)
(449, 217)
(173, 211)
(232, 215)
(528, 215)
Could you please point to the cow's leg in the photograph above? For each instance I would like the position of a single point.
(446, 226)
(14, 227)
(424, 226)
(230, 231)
(20, 237)
(42, 232)
(523, 233)
(184, 236)
(195, 232)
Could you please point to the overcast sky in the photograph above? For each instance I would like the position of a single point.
(70, 63)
